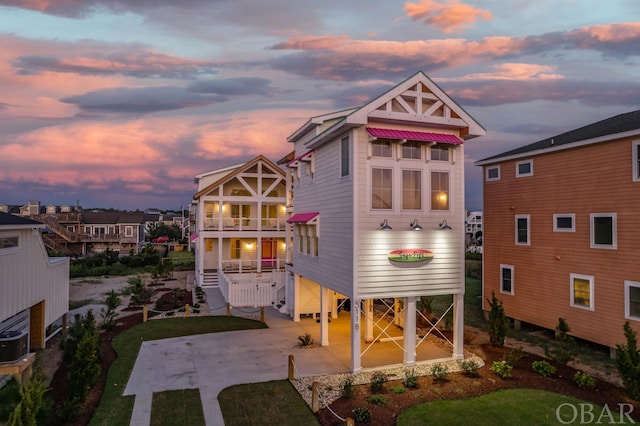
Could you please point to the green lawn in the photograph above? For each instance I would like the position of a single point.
(114, 408)
(177, 407)
(268, 403)
(511, 407)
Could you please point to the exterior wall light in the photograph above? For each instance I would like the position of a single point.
(385, 226)
(445, 226)
(415, 226)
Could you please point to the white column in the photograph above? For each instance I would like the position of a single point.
(458, 326)
(296, 301)
(367, 306)
(334, 305)
(356, 365)
(324, 315)
(410, 331)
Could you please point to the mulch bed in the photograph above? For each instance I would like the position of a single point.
(460, 386)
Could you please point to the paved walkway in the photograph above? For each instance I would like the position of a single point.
(215, 361)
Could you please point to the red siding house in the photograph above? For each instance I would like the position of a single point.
(562, 230)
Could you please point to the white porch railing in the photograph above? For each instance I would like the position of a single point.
(244, 224)
(251, 265)
(253, 289)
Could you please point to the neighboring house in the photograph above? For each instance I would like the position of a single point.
(379, 189)
(34, 293)
(561, 230)
(473, 231)
(239, 232)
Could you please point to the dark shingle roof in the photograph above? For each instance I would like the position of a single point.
(112, 217)
(9, 219)
(610, 126)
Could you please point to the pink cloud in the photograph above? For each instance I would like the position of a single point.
(450, 16)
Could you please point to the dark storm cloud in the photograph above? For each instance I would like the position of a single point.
(235, 86)
(133, 63)
(590, 93)
(141, 100)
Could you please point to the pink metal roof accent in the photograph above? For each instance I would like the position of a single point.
(302, 217)
(411, 135)
(300, 157)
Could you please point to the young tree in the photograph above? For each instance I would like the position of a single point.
(628, 362)
(108, 313)
(564, 346)
(497, 321)
(31, 401)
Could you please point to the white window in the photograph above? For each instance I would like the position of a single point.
(506, 279)
(632, 300)
(492, 173)
(344, 157)
(412, 150)
(381, 148)
(128, 231)
(308, 239)
(523, 230)
(564, 222)
(440, 152)
(411, 189)
(581, 291)
(439, 190)
(381, 189)
(524, 168)
(9, 244)
(635, 155)
(604, 231)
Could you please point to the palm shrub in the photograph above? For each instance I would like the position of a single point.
(108, 313)
(497, 321)
(628, 362)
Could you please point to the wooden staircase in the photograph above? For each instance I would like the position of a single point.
(52, 245)
(60, 230)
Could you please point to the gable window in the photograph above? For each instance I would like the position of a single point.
(582, 291)
(604, 230)
(506, 279)
(439, 190)
(9, 244)
(411, 189)
(381, 148)
(344, 157)
(524, 168)
(381, 189)
(411, 150)
(493, 173)
(632, 300)
(635, 155)
(522, 230)
(440, 152)
(565, 222)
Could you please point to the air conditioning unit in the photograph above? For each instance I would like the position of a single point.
(13, 345)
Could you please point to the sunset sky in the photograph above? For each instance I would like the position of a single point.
(120, 103)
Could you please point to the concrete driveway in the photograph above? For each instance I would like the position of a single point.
(212, 362)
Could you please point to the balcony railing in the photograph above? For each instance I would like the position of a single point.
(251, 265)
(244, 224)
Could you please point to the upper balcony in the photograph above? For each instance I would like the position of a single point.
(243, 217)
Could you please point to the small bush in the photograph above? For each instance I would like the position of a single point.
(502, 369)
(378, 380)
(440, 372)
(347, 388)
(628, 362)
(584, 381)
(361, 414)
(305, 340)
(398, 389)
(379, 400)
(10, 397)
(410, 378)
(469, 368)
(564, 346)
(497, 321)
(513, 356)
(543, 368)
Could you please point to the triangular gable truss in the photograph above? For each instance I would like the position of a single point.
(269, 170)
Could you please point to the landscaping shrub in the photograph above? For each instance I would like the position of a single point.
(361, 414)
(108, 313)
(28, 412)
(398, 389)
(305, 340)
(563, 348)
(502, 369)
(378, 380)
(380, 400)
(543, 368)
(439, 372)
(628, 362)
(10, 397)
(410, 378)
(469, 368)
(584, 381)
(513, 356)
(347, 388)
(497, 321)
